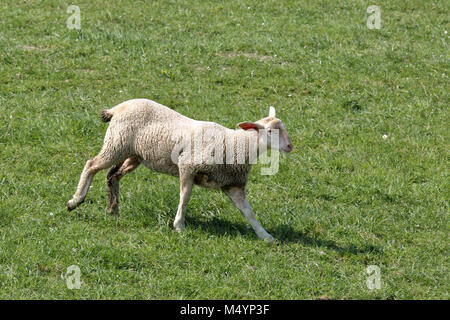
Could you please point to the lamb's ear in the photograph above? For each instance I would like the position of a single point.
(271, 112)
(250, 125)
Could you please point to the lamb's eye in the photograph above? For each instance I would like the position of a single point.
(269, 130)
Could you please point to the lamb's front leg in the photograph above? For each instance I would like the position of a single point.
(186, 184)
(237, 195)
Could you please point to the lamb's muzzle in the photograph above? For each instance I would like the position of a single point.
(142, 131)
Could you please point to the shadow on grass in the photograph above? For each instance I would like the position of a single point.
(283, 233)
(287, 234)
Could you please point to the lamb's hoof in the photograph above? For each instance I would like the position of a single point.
(179, 227)
(71, 205)
(113, 211)
(270, 240)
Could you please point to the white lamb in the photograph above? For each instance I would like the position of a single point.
(143, 131)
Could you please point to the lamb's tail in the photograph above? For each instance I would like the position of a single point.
(106, 115)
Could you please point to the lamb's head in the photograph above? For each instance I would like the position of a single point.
(270, 126)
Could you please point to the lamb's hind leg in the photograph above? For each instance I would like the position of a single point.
(114, 176)
(101, 161)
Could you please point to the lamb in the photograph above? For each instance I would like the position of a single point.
(144, 131)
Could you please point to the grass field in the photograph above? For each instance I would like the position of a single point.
(344, 199)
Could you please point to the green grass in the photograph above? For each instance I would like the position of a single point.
(342, 200)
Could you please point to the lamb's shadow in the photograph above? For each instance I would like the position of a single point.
(283, 233)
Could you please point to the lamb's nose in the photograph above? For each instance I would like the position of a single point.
(290, 146)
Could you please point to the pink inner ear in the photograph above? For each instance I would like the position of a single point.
(248, 126)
